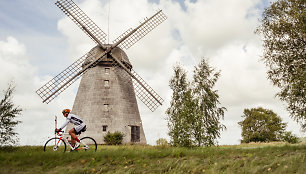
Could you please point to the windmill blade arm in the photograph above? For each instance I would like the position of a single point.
(68, 76)
(82, 20)
(143, 91)
(130, 37)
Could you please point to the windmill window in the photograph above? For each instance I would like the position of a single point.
(104, 127)
(106, 70)
(106, 83)
(106, 107)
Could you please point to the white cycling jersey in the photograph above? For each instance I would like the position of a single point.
(74, 119)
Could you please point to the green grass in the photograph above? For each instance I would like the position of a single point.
(250, 158)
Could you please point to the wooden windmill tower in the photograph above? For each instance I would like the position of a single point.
(106, 98)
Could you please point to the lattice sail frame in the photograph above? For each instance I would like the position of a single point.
(57, 85)
(142, 31)
(143, 91)
(144, 96)
(81, 20)
(63, 80)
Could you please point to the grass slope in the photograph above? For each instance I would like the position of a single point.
(252, 158)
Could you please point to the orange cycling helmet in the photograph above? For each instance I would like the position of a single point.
(66, 111)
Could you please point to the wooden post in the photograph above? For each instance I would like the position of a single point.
(55, 129)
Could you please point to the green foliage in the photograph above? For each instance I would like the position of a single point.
(178, 120)
(290, 138)
(263, 125)
(113, 138)
(193, 115)
(283, 28)
(162, 142)
(206, 124)
(8, 113)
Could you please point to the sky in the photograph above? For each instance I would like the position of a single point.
(37, 42)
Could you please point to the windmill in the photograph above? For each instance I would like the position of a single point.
(106, 94)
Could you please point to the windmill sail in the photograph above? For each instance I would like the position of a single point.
(149, 97)
(64, 79)
(82, 20)
(143, 91)
(142, 30)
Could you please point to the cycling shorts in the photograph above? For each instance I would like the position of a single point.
(80, 128)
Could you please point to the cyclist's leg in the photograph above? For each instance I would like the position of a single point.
(76, 131)
(73, 135)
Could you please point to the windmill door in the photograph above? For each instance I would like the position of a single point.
(135, 134)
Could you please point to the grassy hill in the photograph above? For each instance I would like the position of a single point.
(250, 158)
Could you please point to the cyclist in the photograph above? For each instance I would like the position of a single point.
(80, 126)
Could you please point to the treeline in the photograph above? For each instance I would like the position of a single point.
(194, 114)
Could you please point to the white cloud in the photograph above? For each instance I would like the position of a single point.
(207, 26)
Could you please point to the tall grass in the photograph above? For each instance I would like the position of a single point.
(254, 158)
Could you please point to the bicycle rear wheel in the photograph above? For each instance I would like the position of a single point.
(88, 144)
(55, 145)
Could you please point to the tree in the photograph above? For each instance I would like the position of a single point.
(8, 113)
(284, 40)
(193, 115)
(261, 125)
(206, 124)
(178, 120)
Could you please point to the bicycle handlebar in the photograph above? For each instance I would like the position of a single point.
(58, 132)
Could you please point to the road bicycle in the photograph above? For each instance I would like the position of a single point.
(59, 144)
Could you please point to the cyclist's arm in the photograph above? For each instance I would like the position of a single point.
(65, 124)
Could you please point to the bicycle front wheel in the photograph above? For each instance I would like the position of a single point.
(88, 144)
(55, 145)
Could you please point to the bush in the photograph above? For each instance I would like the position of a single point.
(162, 142)
(290, 138)
(113, 138)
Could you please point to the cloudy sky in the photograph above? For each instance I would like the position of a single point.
(37, 41)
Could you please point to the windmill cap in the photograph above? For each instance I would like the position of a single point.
(117, 52)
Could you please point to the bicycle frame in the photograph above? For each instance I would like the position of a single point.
(61, 137)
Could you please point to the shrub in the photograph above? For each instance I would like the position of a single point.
(162, 142)
(113, 138)
(290, 138)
